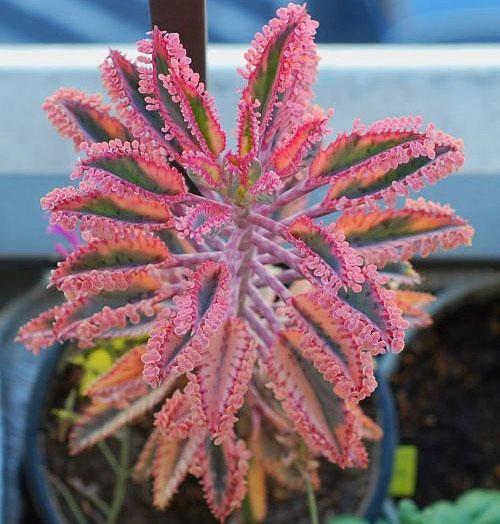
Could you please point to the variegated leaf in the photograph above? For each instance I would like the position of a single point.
(412, 304)
(38, 333)
(156, 53)
(281, 66)
(385, 161)
(389, 235)
(89, 318)
(223, 470)
(202, 309)
(325, 422)
(178, 338)
(176, 418)
(99, 420)
(248, 128)
(377, 306)
(341, 355)
(135, 164)
(123, 382)
(104, 212)
(144, 464)
(295, 153)
(400, 273)
(204, 170)
(122, 79)
(83, 118)
(194, 105)
(220, 382)
(119, 264)
(350, 150)
(171, 463)
(328, 259)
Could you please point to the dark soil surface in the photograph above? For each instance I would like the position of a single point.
(341, 491)
(448, 398)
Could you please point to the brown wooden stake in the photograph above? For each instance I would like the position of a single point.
(186, 17)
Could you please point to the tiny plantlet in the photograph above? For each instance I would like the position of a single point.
(257, 312)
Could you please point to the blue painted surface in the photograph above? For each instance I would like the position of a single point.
(237, 20)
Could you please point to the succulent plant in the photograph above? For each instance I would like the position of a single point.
(257, 322)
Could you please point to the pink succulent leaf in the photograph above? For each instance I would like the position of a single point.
(89, 318)
(143, 466)
(83, 118)
(248, 128)
(178, 337)
(38, 333)
(136, 164)
(381, 166)
(176, 419)
(203, 220)
(156, 55)
(175, 244)
(281, 67)
(266, 188)
(389, 235)
(168, 354)
(222, 470)
(99, 421)
(342, 355)
(377, 306)
(220, 382)
(123, 382)
(298, 148)
(182, 84)
(125, 262)
(324, 421)
(328, 260)
(412, 304)
(122, 79)
(105, 212)
(353, 149)
(203, 307)
(400, 273)
(204, 170)
(171, 463)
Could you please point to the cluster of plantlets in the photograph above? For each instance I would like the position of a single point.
(261, 323)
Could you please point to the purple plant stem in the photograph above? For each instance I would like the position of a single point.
(286, 276)
(274, 227)
(197, 258)
(275, 284)
(260, 330)
(279, 253)
(263, 308)
(297, 191)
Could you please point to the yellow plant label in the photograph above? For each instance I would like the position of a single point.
(404, 473)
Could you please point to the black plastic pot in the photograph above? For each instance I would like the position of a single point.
(44, 498)
(41, 494)
(455, 300)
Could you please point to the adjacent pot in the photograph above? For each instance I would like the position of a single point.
(46, 503)
(446, 388)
